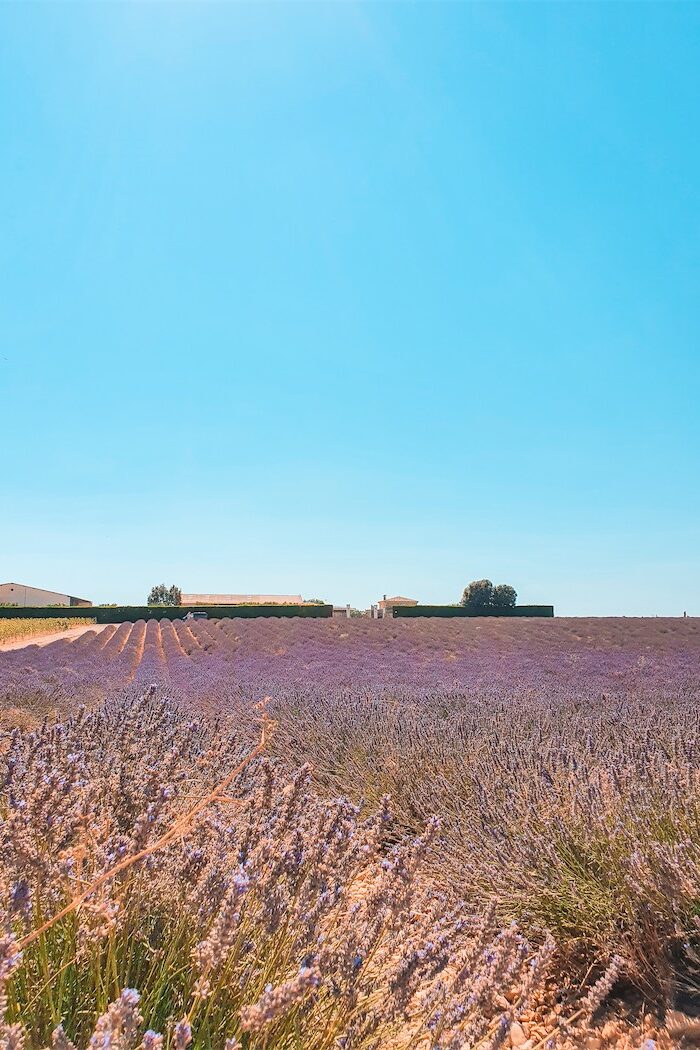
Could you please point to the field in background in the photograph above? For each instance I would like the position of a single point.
(13, 629)
(318, 900)
(207, 662)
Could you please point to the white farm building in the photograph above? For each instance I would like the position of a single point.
(242, 599)
(23, 595)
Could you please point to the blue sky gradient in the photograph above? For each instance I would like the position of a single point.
(351, 300)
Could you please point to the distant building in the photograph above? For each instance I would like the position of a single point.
(386, 605)
(242, 599)
(22, 595)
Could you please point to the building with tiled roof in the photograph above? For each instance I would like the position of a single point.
(385, 606)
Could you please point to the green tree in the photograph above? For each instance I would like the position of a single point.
(481, 595)
(162, 595)
(477, 596)
(504, 596)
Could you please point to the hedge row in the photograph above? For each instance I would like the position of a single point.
(459, 610)
(131, 613)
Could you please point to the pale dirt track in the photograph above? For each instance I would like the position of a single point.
(52, 636)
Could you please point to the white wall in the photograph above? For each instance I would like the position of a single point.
(18, 594)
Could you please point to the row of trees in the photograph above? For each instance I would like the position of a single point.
(480, 595)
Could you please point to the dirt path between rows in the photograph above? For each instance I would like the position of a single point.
(52, 636)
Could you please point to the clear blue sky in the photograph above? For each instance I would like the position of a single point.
(352, 299)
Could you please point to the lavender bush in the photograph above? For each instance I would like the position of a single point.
(272, 917)
(559, 757)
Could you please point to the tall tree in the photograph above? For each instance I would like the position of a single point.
(504, 596)
(162, 595)
(477, 596)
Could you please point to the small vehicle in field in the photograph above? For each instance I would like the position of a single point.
(201, 614)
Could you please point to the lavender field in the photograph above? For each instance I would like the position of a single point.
(308, 833)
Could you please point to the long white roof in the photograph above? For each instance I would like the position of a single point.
(242, 599)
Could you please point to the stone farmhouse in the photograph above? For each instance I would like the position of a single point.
(385, 607)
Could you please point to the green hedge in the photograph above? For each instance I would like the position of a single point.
(44, 612)
(131, 613)
(459, 610)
